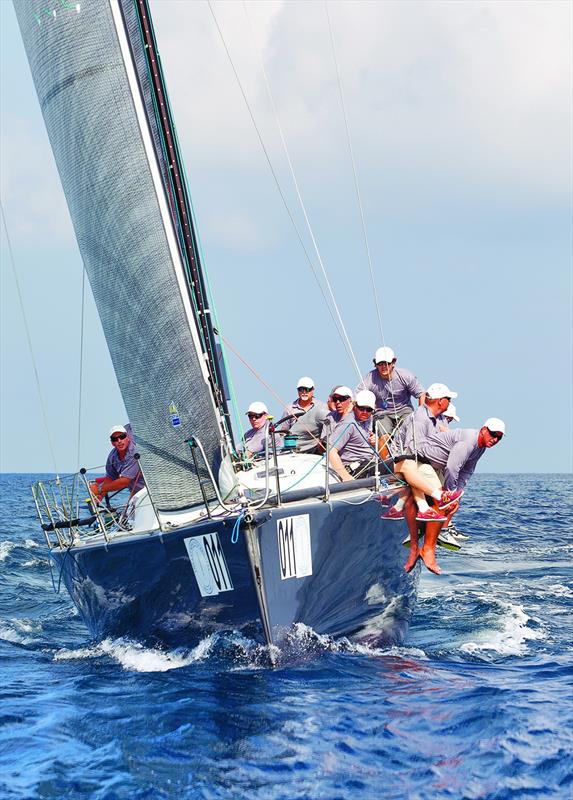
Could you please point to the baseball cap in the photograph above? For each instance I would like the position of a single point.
(451, 412)
(305, 381)
(366, 398)
(495, 425)
(117, 429)
(384, 354)
(257, 408)
(437, 390)
(344, 390)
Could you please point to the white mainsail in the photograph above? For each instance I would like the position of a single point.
(88, 65)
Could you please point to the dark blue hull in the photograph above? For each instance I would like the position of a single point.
(341, 574)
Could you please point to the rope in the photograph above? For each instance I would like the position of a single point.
(29, 340)
(236, 529)
(80, 387)
(344, 337)
(354, 172)
(346, 340)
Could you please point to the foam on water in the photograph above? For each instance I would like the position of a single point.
(5, 549)
(506, 632)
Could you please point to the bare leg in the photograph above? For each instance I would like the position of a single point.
(410, 515)
(428, 550)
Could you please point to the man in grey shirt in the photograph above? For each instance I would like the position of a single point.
(352, 439)
(303, 403)
(393, 387)
(456, 453)
(254, 438)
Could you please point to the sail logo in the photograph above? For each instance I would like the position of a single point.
(209, 564)
(295, 554)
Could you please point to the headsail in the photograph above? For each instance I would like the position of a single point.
(88, 65)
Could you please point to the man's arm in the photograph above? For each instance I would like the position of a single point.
(336, 463)
(457, 459)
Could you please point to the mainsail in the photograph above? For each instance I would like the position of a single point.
(89, 65)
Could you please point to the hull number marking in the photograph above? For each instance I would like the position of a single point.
(209, 565)
(295, 556)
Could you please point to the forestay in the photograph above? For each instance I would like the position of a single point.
(109, 158)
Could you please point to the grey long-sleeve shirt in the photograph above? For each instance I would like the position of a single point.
(415, 430)
(393, 395)
(456, 452)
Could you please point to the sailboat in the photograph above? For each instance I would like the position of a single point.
(212, 542)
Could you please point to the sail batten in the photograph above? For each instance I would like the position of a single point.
(103, 138)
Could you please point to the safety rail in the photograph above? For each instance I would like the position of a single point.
(69, 511)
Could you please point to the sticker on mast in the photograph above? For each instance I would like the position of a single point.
(209, 564)
(295, 555)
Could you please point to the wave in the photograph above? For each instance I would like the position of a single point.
(232, 651)
(508, 632)
(5, 549)
(20, 631)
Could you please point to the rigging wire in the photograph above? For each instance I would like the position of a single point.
(298, 193)
(345, 340)
(357, 188)
(29, 340)
(80, 387)
(354, 171)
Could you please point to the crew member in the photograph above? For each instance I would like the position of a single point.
(393, 387)
(254, 438)
(353, 450)
(122, 467)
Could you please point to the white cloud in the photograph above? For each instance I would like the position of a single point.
(469, 89)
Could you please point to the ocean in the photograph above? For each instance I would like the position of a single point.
(476, 703)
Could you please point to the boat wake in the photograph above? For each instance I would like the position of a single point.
(231, 651)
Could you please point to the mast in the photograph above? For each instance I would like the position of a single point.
(183, 218)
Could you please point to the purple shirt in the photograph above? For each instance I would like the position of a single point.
(350, 438)
(393, 395)
(128, 467)
(254, 440)
(415, 430)
(456, 452)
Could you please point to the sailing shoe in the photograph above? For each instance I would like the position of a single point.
(431, 515)
(383, 499)
(449, 498)
(393, 514)
(448, 540)
(453, 531)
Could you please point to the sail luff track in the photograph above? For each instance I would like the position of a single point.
(182, 209)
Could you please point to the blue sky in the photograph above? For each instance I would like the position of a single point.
(461, 126)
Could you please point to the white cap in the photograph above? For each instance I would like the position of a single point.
(366, 398)
(344, 390)
(451, 412)
(384, 354)
(257, 408)
(437, 390)
(117, 429)
(305, 381)
(495, 425)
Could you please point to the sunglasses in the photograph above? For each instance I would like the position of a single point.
(496, 434)
(340, 398)
(251, 415)
(118, 437)
(384, 363)
(365, 409)
(305, 388)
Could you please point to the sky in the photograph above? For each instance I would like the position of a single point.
(460, 119)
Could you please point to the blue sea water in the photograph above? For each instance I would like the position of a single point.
(477, 703)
